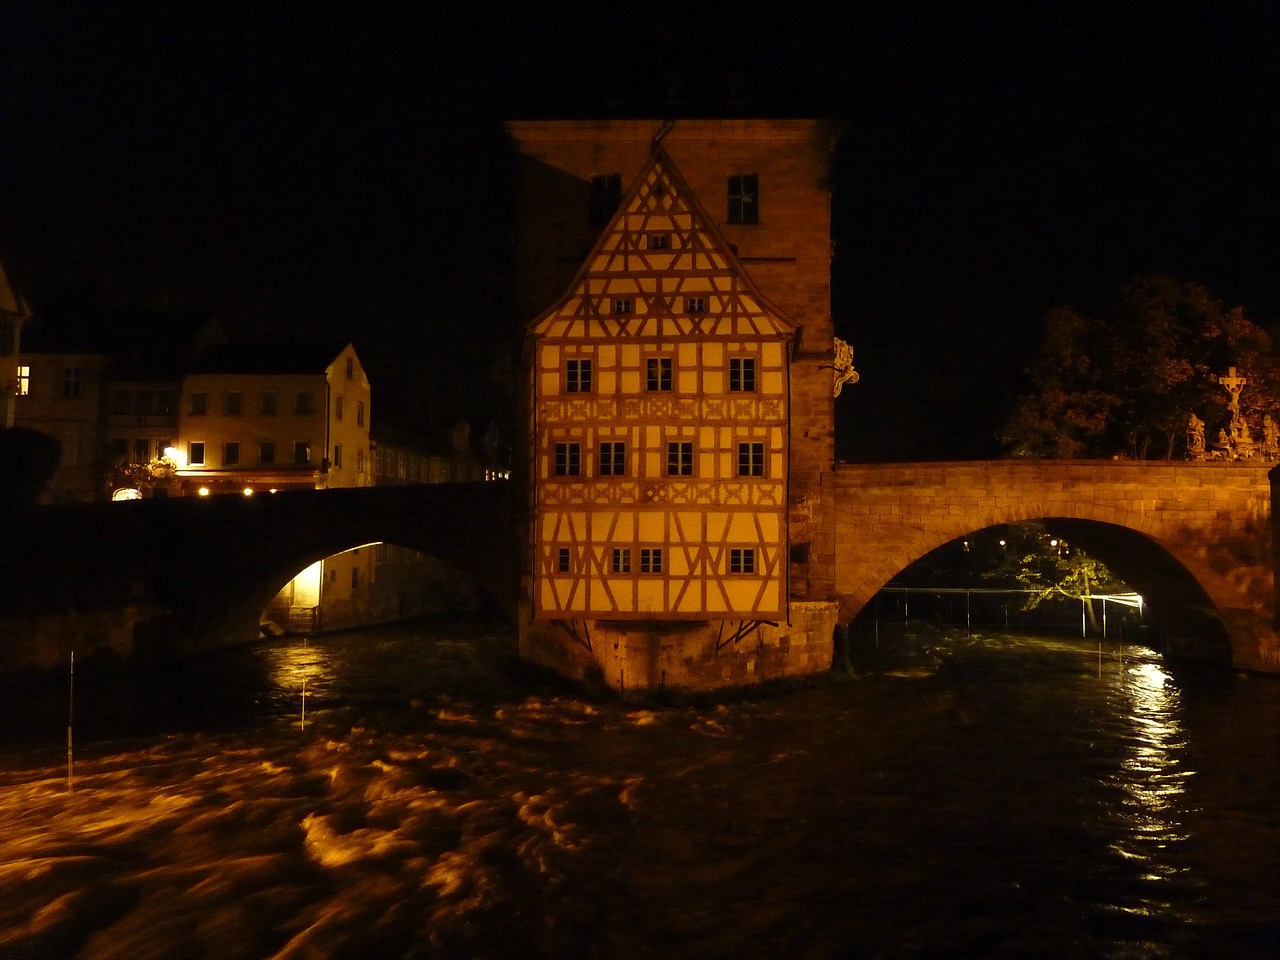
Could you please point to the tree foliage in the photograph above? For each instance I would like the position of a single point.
(1049, 568)
(1124, 382)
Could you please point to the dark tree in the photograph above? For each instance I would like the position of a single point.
(1124, 382)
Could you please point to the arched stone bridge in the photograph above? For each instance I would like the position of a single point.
(195, 573)
(1193, 538)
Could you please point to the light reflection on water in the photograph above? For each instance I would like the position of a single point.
(994, 796)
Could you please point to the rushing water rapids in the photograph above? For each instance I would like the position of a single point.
(986, 796)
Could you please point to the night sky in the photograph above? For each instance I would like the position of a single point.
(341, 168)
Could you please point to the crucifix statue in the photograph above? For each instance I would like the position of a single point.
(1234, 385)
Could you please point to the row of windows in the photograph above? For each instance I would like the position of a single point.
(741, 560)
(144, 403)
(231, 453)
(612, 461)
(743, 195)
(143, 449)
(626, 306)
(268, 405)
(659, 375)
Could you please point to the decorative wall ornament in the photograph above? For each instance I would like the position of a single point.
(843, 366)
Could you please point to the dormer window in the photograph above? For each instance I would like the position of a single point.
(659, 241)
(623, 306)
(695, 306)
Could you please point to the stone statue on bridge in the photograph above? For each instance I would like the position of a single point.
(1270, 438)
(1195, 438)
(843, 365)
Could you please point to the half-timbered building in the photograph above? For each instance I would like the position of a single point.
(674, 509)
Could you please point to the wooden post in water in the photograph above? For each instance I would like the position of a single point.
(71, 707)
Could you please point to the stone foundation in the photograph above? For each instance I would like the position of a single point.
(691, 654)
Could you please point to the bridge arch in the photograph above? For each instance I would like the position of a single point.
(1182, 537)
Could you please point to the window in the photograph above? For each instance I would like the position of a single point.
(606, 194)
(72, 382)
(359, 413)
(146, 403)
(230, 453)
(360, 460)
(650, 560)
(613, 459)
(621, 561)
(623, 306)
(233, 403)
(199, 404)
(267, 451)
(742, 374)
(680, 459)
(562, 560)
(119, 450)
(337, 407)
(301, 452)
(657, 373)
(161, 447)
(659, 241)
(568, 460)
(751, 459)
(577, 376)
(744, 198)
(166, 403)
(355, 577)
(742, 560)
(121, 401)
(24, 381)
(195, 453)
(695, 306)
(351, 368)
(337, 455)
(302, 402)
(141, 450)
(267, 405)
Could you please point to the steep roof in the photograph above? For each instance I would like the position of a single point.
(660, 248)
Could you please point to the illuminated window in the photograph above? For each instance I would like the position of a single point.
(337, 407)
(267, 404)
(301, 452)
(659, 241)
(337, 455)
(621, 561)
(302, 402)
(230, 453)
(623, 306)
(141, 450)
(680, 459)
(568, 460)
(267, 451)
(695, 306)
(24, 381)
(613, 459)
(657, 373)
(359, 413)
(195, 453)
(577, 376)
(232, 403)
(650, 560)
(72, 382)
(742, 560)
(562, 560)
(606, 194)
(742, 374)
(199, 404)
(751, 459)
(744, 198)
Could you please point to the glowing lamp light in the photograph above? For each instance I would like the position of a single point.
(247, 491)
(203, 491)
(174, 454)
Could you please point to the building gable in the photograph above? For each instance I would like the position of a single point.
(661, 269)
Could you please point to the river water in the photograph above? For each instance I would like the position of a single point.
(992, 795)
